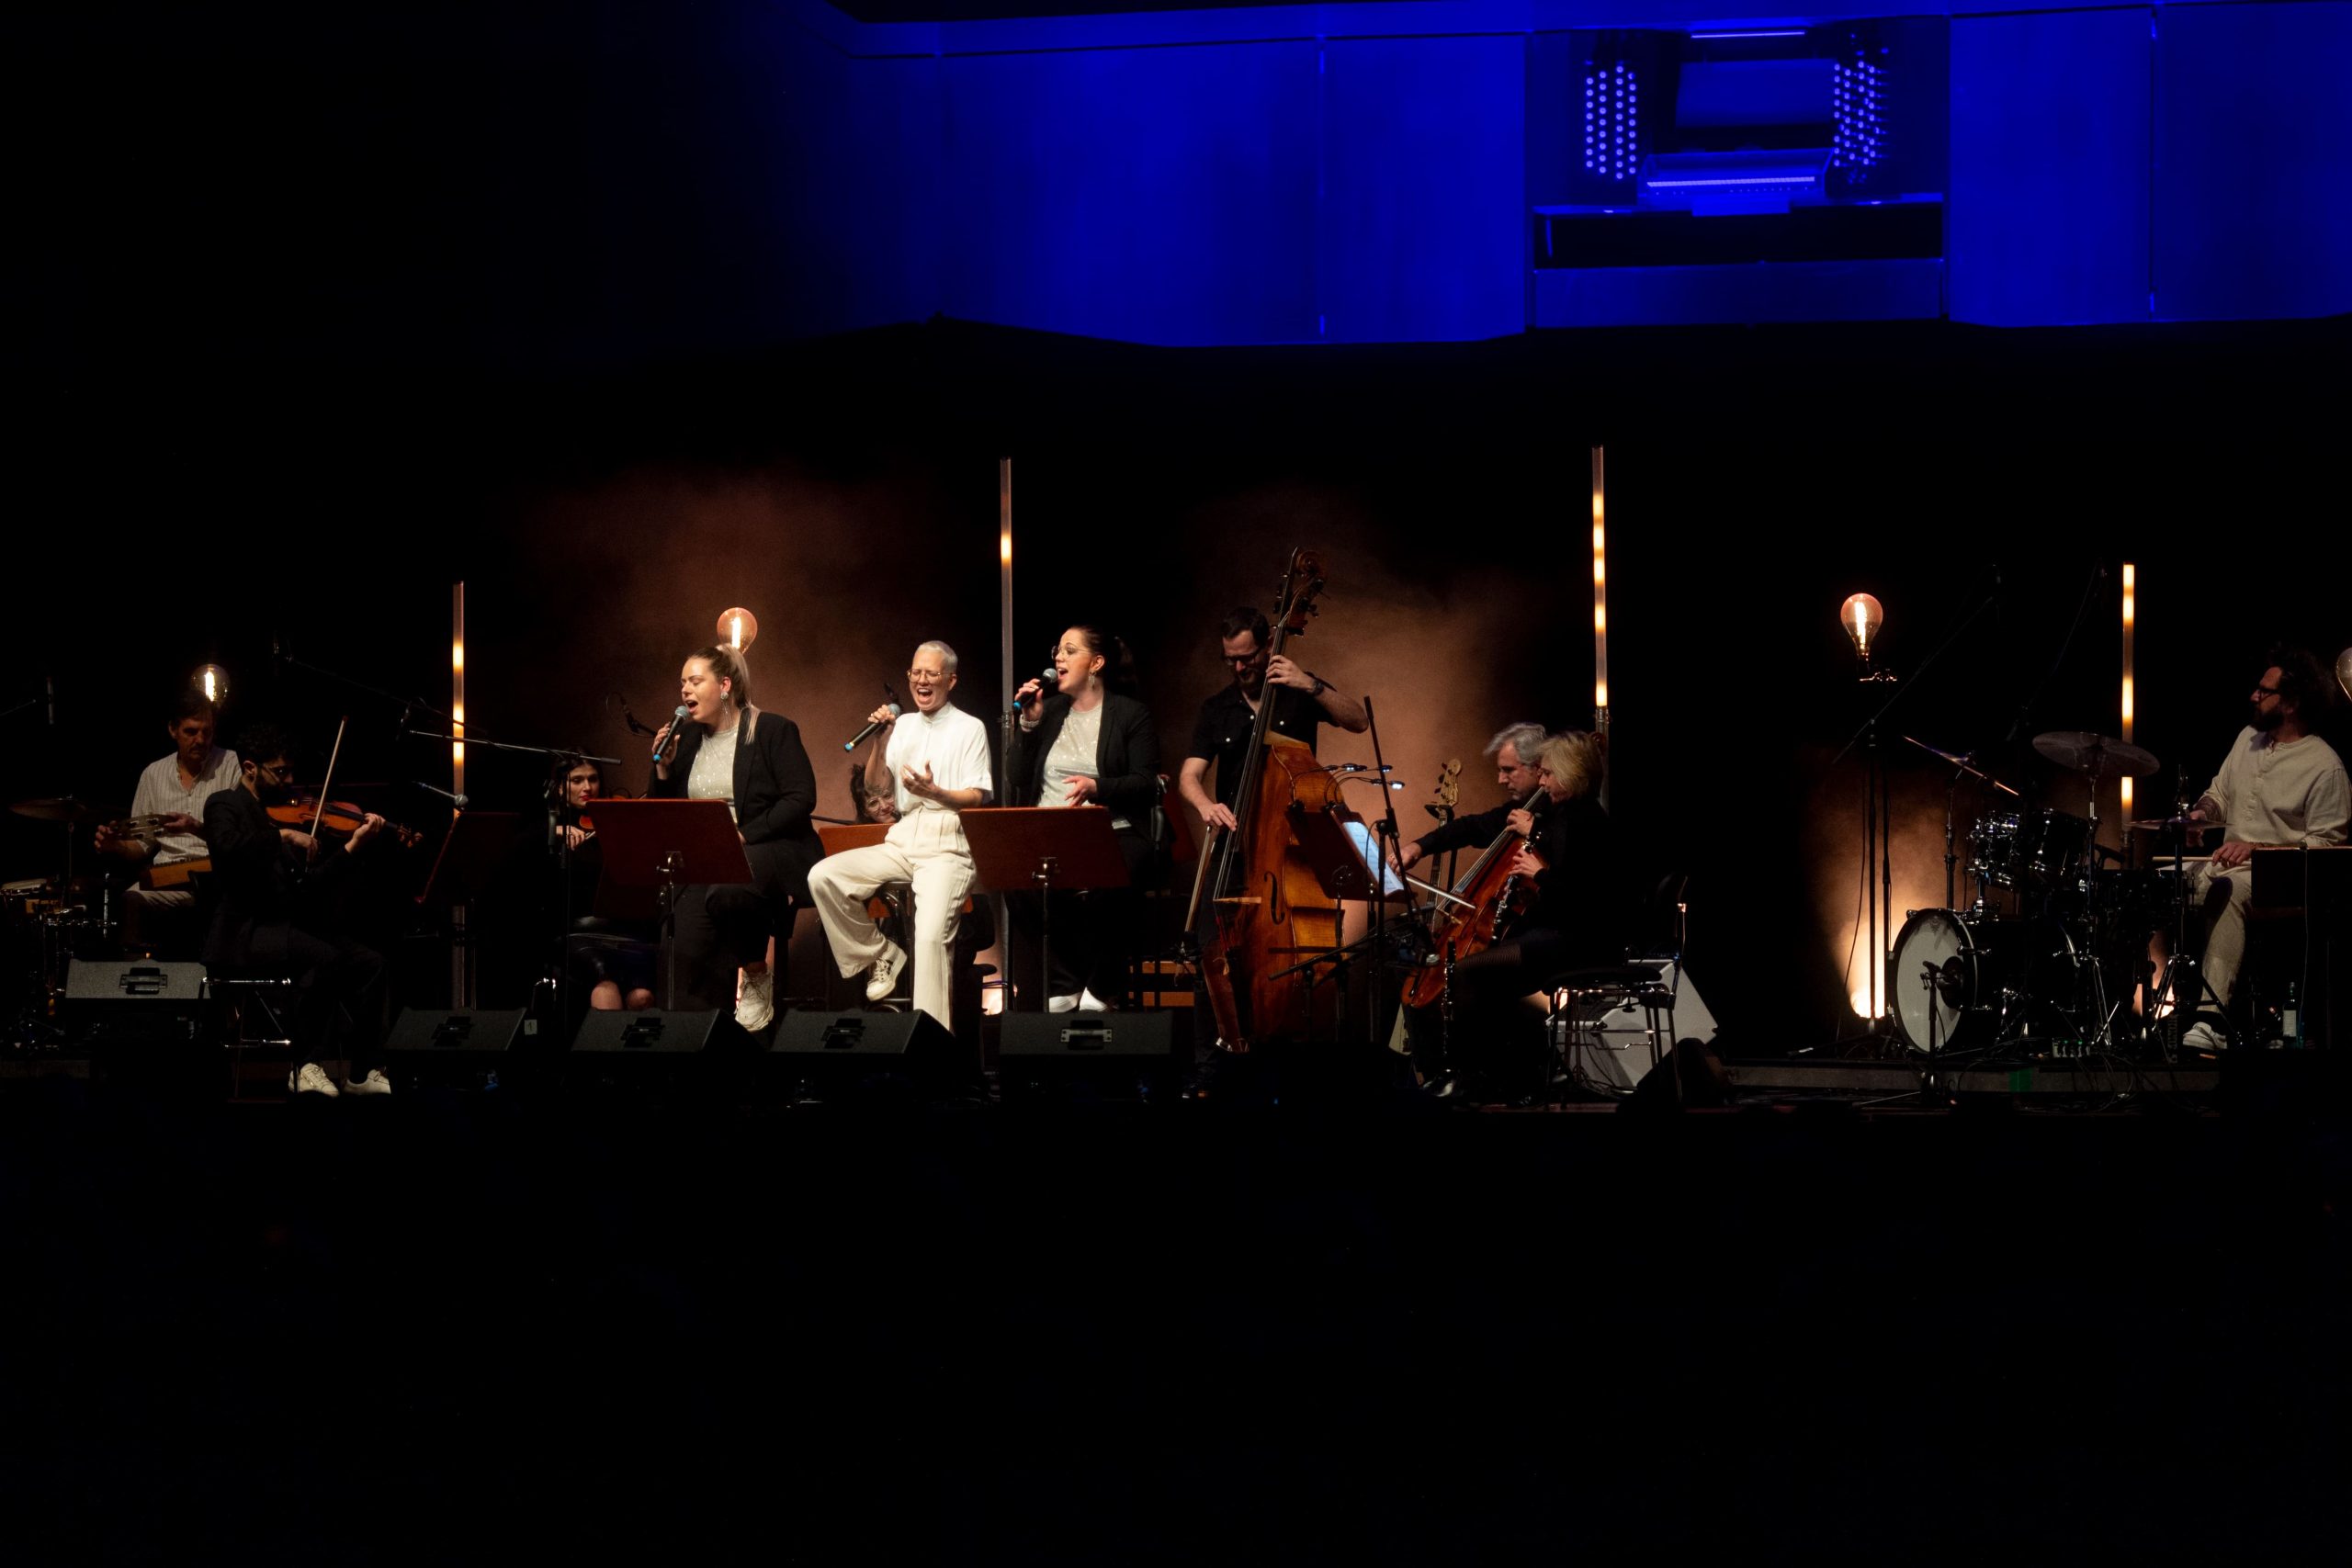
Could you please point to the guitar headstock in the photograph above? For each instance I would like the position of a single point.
(1301, 584)
(1449, 783)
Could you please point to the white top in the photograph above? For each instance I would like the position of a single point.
(713, 775)
(952, 742)
(2296, 793)
(159, 792)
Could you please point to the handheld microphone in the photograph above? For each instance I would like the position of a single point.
(860, 738)
(677, 721)
(1049, 680)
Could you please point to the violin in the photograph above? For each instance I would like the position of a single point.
(338, 819)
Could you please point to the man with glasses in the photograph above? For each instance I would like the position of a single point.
(1303, 703)
(934, 761)
(266, 879)
(2280, 786)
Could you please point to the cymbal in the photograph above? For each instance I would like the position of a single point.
(2166, 824)
(64, 808)
(2103, 756)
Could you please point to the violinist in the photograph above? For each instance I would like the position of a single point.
(270, 886)
(1514, 752)
(1303, 702)
(1089, 743)
(613, 960)
(728, 749)
(1575, 918)
(170, 797)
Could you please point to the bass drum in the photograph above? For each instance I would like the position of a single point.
(1965, 980)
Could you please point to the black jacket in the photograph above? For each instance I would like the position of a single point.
(1127, 758)
(1581, 891)
(1472, 832)
(259, 883)
(776, 790)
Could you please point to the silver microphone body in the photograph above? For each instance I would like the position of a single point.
(677, 727)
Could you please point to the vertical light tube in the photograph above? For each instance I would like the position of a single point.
(2130, 607)
(1001, 999)
(458, 688)
(1601, 612)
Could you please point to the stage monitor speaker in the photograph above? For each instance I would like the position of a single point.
(650, 1032)
(453, 1047)
(839, 1054)
(1609, 1048)
(653, 1052)
(1122, 1055)
(141, 1022)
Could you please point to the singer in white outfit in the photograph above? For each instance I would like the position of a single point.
(936, 759)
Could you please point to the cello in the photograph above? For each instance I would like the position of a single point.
(1266, 911)
(1486, 899)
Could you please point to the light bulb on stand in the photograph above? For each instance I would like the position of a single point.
(738, 627)
(1861, 617)
(213, 682)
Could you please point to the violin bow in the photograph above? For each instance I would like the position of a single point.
(318, 813)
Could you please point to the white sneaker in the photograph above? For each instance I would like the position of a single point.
(2202, 1036)
(311, 1079)
(756, 1009)
(1088, 1002)
(1061, 1004)
(885, 979)
(374, 1083)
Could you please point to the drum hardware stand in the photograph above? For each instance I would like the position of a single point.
(2168, 983)
(672, 862)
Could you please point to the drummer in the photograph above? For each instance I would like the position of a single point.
(170, 797)
(2279, 786)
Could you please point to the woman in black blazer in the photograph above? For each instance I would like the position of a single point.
(771, 789)
(1089, 743)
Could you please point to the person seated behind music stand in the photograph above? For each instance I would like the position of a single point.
(171, 796)
(612, 960)
(2280, 785)
(1577, 919)
(271, 896)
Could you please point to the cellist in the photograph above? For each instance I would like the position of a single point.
(1514, 752)
(1576, 918)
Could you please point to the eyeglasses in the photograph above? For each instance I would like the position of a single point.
(2262, 691)
(1243, 661)
(281, 773)
(926, 675)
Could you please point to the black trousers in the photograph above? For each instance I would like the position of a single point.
(1095, 933)
(337, 979)
(720, 929)
(1492, 1036)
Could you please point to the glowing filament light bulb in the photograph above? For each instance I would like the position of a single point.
(213, 682)
(738, 627)
(1861, 617)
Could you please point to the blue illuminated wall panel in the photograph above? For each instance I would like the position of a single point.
(866, 247)
(2253, 178)
(1423, 236)
(2049, 196)
(1163, 196)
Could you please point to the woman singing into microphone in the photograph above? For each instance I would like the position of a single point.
(727, 750)
(1089, 743)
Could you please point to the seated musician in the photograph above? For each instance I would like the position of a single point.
(2280, 785)
(1089, 743)
(1577, 919)
(169, 808)
(729, 751)
(936, 762)
(1513, 751)
(612, 959)
(1302, 702)
(271, 893)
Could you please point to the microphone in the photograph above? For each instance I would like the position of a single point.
(1360, 768)
(1046, 678)
(676, 721)
(860, 738)
(457, 800)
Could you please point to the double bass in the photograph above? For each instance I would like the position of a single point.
(1266, 911)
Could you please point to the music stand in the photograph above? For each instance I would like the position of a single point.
(1068, 847)
(669, 844)
(463, 868)
(1343, 873)
(840, 837)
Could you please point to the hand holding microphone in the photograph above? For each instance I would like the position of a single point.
(1032, 693)
(667, 733)
(881, 718)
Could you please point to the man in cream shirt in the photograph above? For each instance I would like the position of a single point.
(2280, 786)
(936, 759)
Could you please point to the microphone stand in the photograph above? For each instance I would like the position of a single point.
(1386, 841)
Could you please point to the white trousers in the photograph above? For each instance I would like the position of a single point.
(925, 849)
(2225, 923)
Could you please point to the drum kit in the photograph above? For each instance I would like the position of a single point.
(2054, 956)
(48, 921)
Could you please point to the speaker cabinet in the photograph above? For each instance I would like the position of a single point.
(453, 1047)
(1607, 1044)
(654, 1053)
(1103, 1056)
(653, 1032)
(840, 1054)
(141, 1022)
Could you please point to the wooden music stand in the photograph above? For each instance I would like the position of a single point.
(670, 844)
(1066, 847)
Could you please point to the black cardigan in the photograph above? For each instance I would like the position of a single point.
(1127, 758)
(776, 790)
